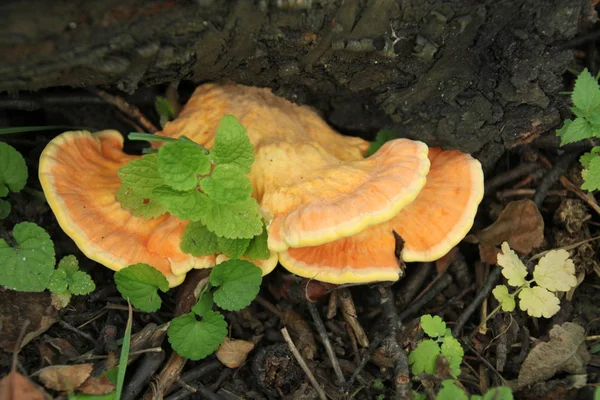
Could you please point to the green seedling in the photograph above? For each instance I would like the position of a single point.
(586, 124)
(555, 272)
(67, 280)
(424, 357)
(13, 175)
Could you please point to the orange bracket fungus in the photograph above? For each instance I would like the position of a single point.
(331, 213)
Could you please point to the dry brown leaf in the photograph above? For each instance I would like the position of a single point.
(16, 308)
(99, 385)
(15, 386)
(65, 377)
(232, 353)
(520, 224)
(564, 352)
(300, 332)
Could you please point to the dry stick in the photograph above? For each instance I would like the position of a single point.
(71, 328)
(391, 347)
(129, 109)
(528, 193)
(510, 175)
(414, 282)
(349, 313)
(198, 388)
(325, 338)
(142, 374)
(467, 343)
(484, 292)
(298, 357)
(560, 168)
(443, 282)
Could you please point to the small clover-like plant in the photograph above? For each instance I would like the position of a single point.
(555, 272)
(586, 124)
(424, 357)
(210, 189)
(451, 391)
(13, 175)
(67, 280)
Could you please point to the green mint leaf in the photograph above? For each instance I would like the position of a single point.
(4, 208)
(232, 145)
(453, 352)
(139, 283)
(227, 184)
(383, 136)
(139, 177)
(586, 158)
(591, 175)
(179, 163)
(204, 304)
(232, 248)
(575, 131)
(187, 205)
(499, 393)
(237, 282)
(258, 248)
(59, 282)
(433, 326)
(562, 131)
(195, 339)
(198, 241)
(241, 220)
(586, 93)
(13, 170)
(28, 266)
(140, 205)
(423, 357)
(450, 391)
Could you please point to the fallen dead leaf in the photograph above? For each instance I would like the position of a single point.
(65, 377)
(520, 224)
(564, 352)
(96, 385)
(18, 307)
(15, 386)
(232, 353)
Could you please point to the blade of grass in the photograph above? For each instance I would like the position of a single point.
(124, 353)
(27, 129)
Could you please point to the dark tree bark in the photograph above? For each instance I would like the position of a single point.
(481, 76)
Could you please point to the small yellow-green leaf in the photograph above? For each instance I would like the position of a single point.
(512, 267)
(506, 300)
(538, 302)
(555, 271)
(433, 326)
(423, 357)
(232, 145)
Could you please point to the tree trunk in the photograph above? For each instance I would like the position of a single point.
(480, 76)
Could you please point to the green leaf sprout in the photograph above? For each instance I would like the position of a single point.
(140, 284)
(13, 175)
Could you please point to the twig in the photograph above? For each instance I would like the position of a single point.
(484, 292)
(510, 175)
(195, 373)
(142, 374)
(349, 313)
(77, 331)
(414, 282)
(484, 360)
(325, 338)
(268, 305)
(443, 282)
(203, 391)
(560, 168)
(129, 109)
(527, 193)
(307, 371)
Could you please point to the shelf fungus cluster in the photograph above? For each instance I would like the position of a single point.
(332, 214)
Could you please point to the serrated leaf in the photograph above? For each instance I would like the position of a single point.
(506, 300)
(179, 163)
(81, 283)
(450, 391)
(586, 158)
(241, 220)
(69, 264)
(538, 302)
(58, 282)
(204, 304)
(575, 131)
(195, 339)
(232, 145)
(499, 393)
(28, 266)
(586, 93)
(433, 326)
(198, 241)
(232, 248)
(227, 184)
(13, 170)
(187, 205)
(140, 205)
(512, 267)
(4, 208)
(258, 248)
(141, 174)
(423, 357)
(237, 283)
(139, 282)
(452, 350)
(591, 175)
(555, 271)
(383, 136)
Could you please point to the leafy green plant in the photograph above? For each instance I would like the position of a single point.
(67, 280)
(450, 391)
(13, 175)
(210, 189)
(384, 135)
(555, 272)
(232, 286)
(424, 357)
(586, 124)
